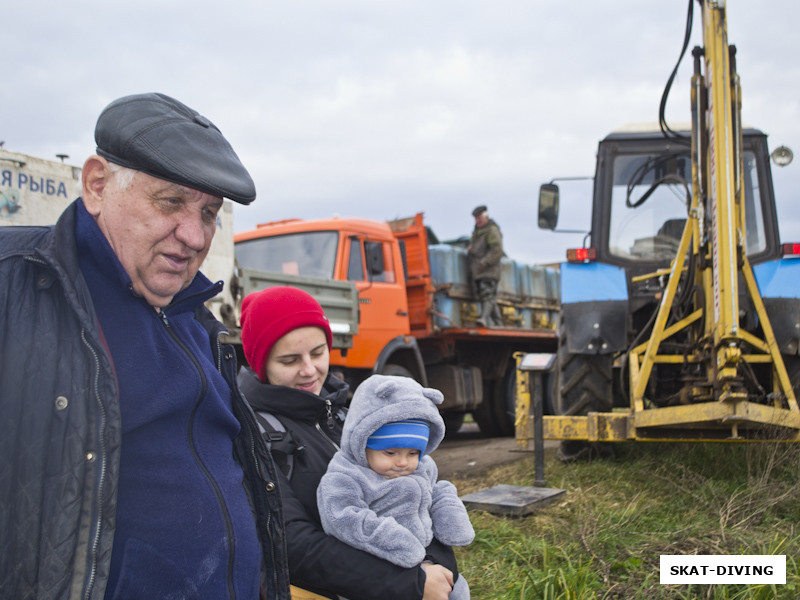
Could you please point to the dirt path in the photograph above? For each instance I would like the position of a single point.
(468, 453)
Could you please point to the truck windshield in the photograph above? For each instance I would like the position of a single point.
(310, 254)
(649, 228)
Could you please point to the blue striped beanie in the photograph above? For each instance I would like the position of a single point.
(412, 433)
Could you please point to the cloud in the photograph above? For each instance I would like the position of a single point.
(383, 108)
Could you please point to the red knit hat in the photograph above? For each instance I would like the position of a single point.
(270, 314)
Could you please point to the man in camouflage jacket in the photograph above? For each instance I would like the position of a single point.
(484, 252)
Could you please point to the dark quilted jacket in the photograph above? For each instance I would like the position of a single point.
(60, 441)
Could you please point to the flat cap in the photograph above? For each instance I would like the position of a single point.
(479, 210)
(165, 138)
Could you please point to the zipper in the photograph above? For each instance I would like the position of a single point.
(329, 422)
(219, 352)
(103, 469)
(102, 451)
(259, 470)
(329, 412)
(190, 438)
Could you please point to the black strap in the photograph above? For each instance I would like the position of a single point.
(280, 442)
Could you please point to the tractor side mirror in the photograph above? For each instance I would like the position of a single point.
(548, 206)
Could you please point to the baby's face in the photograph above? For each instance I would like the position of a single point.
(393, 462)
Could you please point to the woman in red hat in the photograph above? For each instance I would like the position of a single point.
(301, 407)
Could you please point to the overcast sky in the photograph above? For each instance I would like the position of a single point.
(384, 108)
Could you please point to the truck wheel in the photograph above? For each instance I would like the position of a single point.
(585, 387)
(497, 414)
(396, 370)
(505, 402)
(485, 415)
(452, 422)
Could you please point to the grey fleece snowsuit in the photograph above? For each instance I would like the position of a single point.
(394, 519)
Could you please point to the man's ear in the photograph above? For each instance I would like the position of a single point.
(95, 176)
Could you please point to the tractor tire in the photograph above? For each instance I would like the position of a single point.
(792, 364)
(585, 386)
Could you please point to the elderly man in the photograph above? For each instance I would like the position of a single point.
(484, 252)
(130, 464)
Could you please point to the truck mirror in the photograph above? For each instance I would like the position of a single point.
(548, 206)
(374, 256)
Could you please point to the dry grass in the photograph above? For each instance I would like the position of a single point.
(619, 515)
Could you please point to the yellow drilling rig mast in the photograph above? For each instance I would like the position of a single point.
(680, 320)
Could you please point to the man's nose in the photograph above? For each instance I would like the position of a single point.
(192, 232)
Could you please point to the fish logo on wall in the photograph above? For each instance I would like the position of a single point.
(9, 202)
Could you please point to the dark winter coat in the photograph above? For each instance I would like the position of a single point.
(60, 448)
(485, 252)
(317, 561)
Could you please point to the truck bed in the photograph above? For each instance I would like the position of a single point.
(440, 297)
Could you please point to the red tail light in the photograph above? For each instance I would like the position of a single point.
(791, 249)
(581, 254)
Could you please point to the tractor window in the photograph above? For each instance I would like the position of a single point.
(648, 227)
(309, 254)
(646, 222)
(756, 238)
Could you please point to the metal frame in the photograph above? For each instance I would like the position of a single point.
(715, 407)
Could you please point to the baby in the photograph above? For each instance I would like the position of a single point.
(380, 493)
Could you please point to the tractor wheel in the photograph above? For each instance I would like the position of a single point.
(792, 364)
(585, 386)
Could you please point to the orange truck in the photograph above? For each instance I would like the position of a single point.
(416, 309)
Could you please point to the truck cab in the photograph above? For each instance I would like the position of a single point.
(357, 250)
(417, 313)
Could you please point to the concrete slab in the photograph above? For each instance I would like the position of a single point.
(512, 500)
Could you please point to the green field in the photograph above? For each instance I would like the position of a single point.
(603, 538)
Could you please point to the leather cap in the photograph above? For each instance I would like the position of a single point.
(479, 210)
(165, 138)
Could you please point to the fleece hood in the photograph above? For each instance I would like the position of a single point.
(383, 399)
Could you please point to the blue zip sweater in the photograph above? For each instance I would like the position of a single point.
(184, 526)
